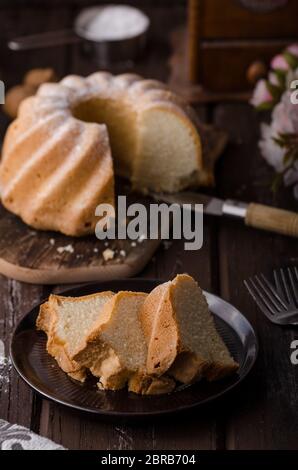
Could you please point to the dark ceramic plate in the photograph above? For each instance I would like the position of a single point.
(41, 372)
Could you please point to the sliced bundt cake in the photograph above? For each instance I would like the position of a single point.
(57, 155)
(120, 330)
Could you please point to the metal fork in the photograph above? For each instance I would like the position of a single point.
(278, 301)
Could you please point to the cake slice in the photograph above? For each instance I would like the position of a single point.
(119, 333)
(181, 335)
(66, 320)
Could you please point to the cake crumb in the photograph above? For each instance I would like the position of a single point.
(122, 253)
(67, 248)
(95, 250)
(133, 244)
(52, 241)
(106, 243)
(108, 254)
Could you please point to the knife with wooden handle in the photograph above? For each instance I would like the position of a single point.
(254, 215)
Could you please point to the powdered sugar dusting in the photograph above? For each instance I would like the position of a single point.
(116, 22)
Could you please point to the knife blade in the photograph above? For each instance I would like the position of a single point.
(211, 205)
(254, 215)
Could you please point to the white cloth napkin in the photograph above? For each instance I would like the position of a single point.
(15, 437)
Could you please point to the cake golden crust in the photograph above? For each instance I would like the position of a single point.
(160, 330)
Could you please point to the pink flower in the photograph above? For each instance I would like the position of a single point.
(279, 63)
(261, 95)
(293, 49)
(285, 116)
(272, 152)
(284, 121)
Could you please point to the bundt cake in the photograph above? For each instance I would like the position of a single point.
(60, 154)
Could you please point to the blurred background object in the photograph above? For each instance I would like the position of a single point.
(107, 35)
(229, 44)
(21, 18)
(32, 80)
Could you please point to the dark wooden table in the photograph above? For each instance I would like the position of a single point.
(263, 412)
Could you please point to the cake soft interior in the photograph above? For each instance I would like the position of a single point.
(196, 323)
(76, 319)
(120, 119)
(147, 146)
(124, 332)
(193, 318)
(166, 149)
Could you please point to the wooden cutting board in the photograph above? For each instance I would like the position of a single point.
(41, 257)
(52, 258)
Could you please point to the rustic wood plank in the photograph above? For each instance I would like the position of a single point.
(17, 402)
(265, 414)
(16, 399)
(50, 257)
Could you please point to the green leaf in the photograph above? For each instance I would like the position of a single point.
(281, 76)
(291, 59)
(277, 182)
(295, 154)
(279, 141)
(275, 91)
(288, 157)
(288, 135)
(267, 105)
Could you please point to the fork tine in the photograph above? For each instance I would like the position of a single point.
(293, 285)
(279, 285)
(279, 304)
(286, 288)
(267, 298)
(259, 298)
(274, 292)
(296, 272)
